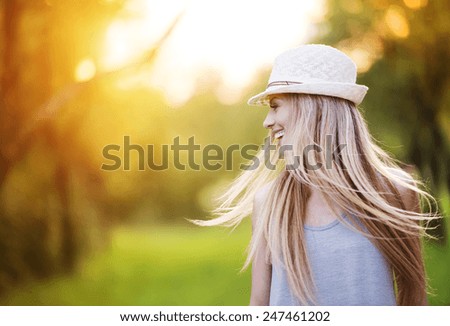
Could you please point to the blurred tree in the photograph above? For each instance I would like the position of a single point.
(402, 48)
(53, 195)
(40, 48)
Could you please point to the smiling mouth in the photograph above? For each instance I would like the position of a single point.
(279, 134)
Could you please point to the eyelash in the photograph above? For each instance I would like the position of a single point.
(274, 107)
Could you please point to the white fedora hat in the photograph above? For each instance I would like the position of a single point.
(313, 69)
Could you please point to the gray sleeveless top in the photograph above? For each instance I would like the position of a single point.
(347, 268)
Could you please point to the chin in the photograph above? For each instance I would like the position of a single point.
(285, 146)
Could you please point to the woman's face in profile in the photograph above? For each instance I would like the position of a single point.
(279, 116)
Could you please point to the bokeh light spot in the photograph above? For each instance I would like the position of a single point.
(85, 70)
(396, 21)
(415, 4)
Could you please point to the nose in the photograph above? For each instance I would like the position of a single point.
(269, 120)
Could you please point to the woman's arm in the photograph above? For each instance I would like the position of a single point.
(261, 271)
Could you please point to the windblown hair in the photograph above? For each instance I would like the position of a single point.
(361, 180)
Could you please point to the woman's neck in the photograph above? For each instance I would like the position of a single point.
(318, 212)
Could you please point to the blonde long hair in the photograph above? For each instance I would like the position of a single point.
(361, 180)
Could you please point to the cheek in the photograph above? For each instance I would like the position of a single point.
(286, 118)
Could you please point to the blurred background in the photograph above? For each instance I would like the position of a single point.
(78, 75)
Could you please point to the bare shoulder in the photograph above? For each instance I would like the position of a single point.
(410, 197)
(261, 196)
(262, 193)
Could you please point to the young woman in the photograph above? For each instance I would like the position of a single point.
(337, 221)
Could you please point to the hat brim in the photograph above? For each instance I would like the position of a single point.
(348, 91)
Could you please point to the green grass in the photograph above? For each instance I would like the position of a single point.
(158, 266)
(437, 262)
(177, 266)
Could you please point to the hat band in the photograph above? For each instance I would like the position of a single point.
(283, 83)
